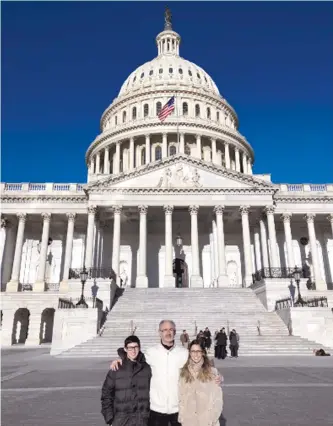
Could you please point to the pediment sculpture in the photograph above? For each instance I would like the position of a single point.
(180, 177)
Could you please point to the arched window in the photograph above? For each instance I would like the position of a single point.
(145, 110)
(180, 71)
(115, 120)
(142, 75)
(185, 108)
(170, 70)
(143, 156)
(197, 110)
(160, 70)
(134, 113)
(172, 150)
(158, 153)
(190, 73)
(124, 116)
(218, 116)
(208, 113)
(187, 149)
(151, 72)
(158, 107)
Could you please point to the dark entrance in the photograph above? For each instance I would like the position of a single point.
(180, 273)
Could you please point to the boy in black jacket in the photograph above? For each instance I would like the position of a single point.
(125, 392)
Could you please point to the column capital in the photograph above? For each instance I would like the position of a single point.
(92, 209)
(198, 136)
(269, 210)
(286, 217)
(164, 134)
(4, 222)
(46, 217)
(22, 217)
(244, 210)
(147, 135)
(218, 209)
(236, 149)
(117, 209)
(168, 209)
(71, 217)
(309, 217)
(330, 218)
(212, 139)
(143, 209)
(182, 134)
(193, 210)
(226, 144)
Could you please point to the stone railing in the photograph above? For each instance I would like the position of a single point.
(45, 188)
(313, 302)
(283, 272)
(300, 188)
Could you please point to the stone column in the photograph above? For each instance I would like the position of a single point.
(227, 155)
(237, 161)
(263, 238)
(196, 279)
(90, 237)
(68, 252)
(12, 286)
(98, 163)
(274, 260)
(244, 163)
(169, 280)
(131, 154)
(116, 164)
(182, 143)
(214, 151)
(244, 210)
(106, 161)
(92, 166)
(142, 279)
(212, 260)
(116, 242)
(216, 251)
(165, 145)
(198, 139)
(257, 249)
(330, 219)
(39, 285)
(249, 166)
(147, 149)
(222, 277)
(4, 223)
(320, 283)
(289, 241)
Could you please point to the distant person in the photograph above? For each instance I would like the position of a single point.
(184, 338)
(208, 337)
(234, 343)
(320, 352)
(125, 392)
(200, 398)
(222, 340)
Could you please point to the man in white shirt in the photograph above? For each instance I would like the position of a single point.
(165, 360)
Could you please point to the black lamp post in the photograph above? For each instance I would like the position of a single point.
(83, 276)
(178, 264)
(297, 278)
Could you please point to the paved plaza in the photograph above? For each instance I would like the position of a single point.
(39, 390)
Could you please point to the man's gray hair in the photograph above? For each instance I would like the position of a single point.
(164, 321)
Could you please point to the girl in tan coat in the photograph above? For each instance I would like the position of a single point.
(200, 398)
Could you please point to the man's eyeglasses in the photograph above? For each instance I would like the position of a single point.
(132, 348)
(165, 330)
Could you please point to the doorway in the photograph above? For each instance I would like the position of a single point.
(180, 272)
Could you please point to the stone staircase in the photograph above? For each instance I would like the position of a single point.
(209, 307)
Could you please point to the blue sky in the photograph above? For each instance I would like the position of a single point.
(63, 63)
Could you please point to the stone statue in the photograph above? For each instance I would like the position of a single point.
(180, 177)
(167, 19)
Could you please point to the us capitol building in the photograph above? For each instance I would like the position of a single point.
(169, 202)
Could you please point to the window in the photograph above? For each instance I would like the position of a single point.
(185, 108)
(170, 70)
(218, 116)
(158, 153)
(160, 70)
(134, 79)
(115, 120)
(143, 156)
(172, 150)
(198, 75)
(208, 113)
(158, 107)
(197, 110)
(124, 116)
(142, 75)
(187, 149)
(145, 110)
(206, 79)
(180, 71)
(134, 113)
(190, 73)
(151, 72)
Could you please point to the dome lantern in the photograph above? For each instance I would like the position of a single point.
(168, 41)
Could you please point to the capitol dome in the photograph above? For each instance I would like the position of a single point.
(202, 124)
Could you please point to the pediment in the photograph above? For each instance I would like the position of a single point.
(181, 172)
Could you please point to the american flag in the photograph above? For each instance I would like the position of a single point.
(167, 109)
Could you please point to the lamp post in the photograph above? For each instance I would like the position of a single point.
(83, 276)
(297, 278)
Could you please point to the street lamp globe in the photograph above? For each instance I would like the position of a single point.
(179, 240)
(84, 275)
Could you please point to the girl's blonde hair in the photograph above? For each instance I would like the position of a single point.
(205, 374)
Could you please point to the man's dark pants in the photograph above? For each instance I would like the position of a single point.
(160, 419)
